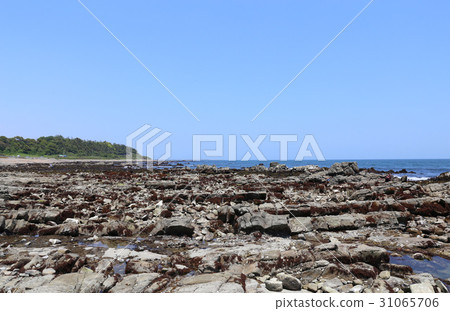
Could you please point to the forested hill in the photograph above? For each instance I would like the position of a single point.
(58, 145)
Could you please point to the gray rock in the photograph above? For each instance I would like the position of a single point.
(333, 283)
(300, 224)
(203, 283)
(385, 275)
(174, 226)
(425, 287)
(48, 271)
(344, 168)
(209, 287)
(134, 283)
(370, 254)
(82, 282)
(356, 289)
(262, 221)
(31, 283)
(231, 288)
(289, 282)
(328, 289)
(274, 285)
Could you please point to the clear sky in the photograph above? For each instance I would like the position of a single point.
(381, 89)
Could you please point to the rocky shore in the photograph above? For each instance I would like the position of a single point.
(111, 227)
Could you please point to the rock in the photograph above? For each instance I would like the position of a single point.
(274, 285)
(262, 221)
(363, 195)
(363, 270)
(2, 223)
(344, 222)
(289, 282)
(251, 268)
(312, 287)
(203, 283)
(175, 226)
(370, 254)
(300, 224)
(226, 214)
(333, 283)
(425, 287)
(380, 286)
(344, 168)
(404, 178)
(135, 283)
(422, 278)
(48, 271)
(441, 286)
(104, 266)
(231, 288)
(32, 283)
(84, 282)
(418, 256)
(356, 289)
(124, 253)
(385, 275)
(328, 289)
(69, 229)
(55, 241)
(109, 283)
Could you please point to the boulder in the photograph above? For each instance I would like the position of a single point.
(179, 226)
(174, 226)
(274, 285)
(289, 282)
(262, 221)
(370, 254)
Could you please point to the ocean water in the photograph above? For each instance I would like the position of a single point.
(439, 267)
(417, 169)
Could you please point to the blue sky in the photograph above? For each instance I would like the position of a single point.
(381, 90)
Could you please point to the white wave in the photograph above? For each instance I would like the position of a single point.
(412, 178)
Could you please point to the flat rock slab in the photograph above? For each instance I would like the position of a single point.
(134, 283)
(84, 282)
(123, 253)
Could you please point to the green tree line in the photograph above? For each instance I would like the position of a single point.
(58, 145)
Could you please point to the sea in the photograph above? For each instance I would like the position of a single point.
(420, 169)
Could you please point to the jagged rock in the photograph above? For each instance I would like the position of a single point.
(344, 168)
